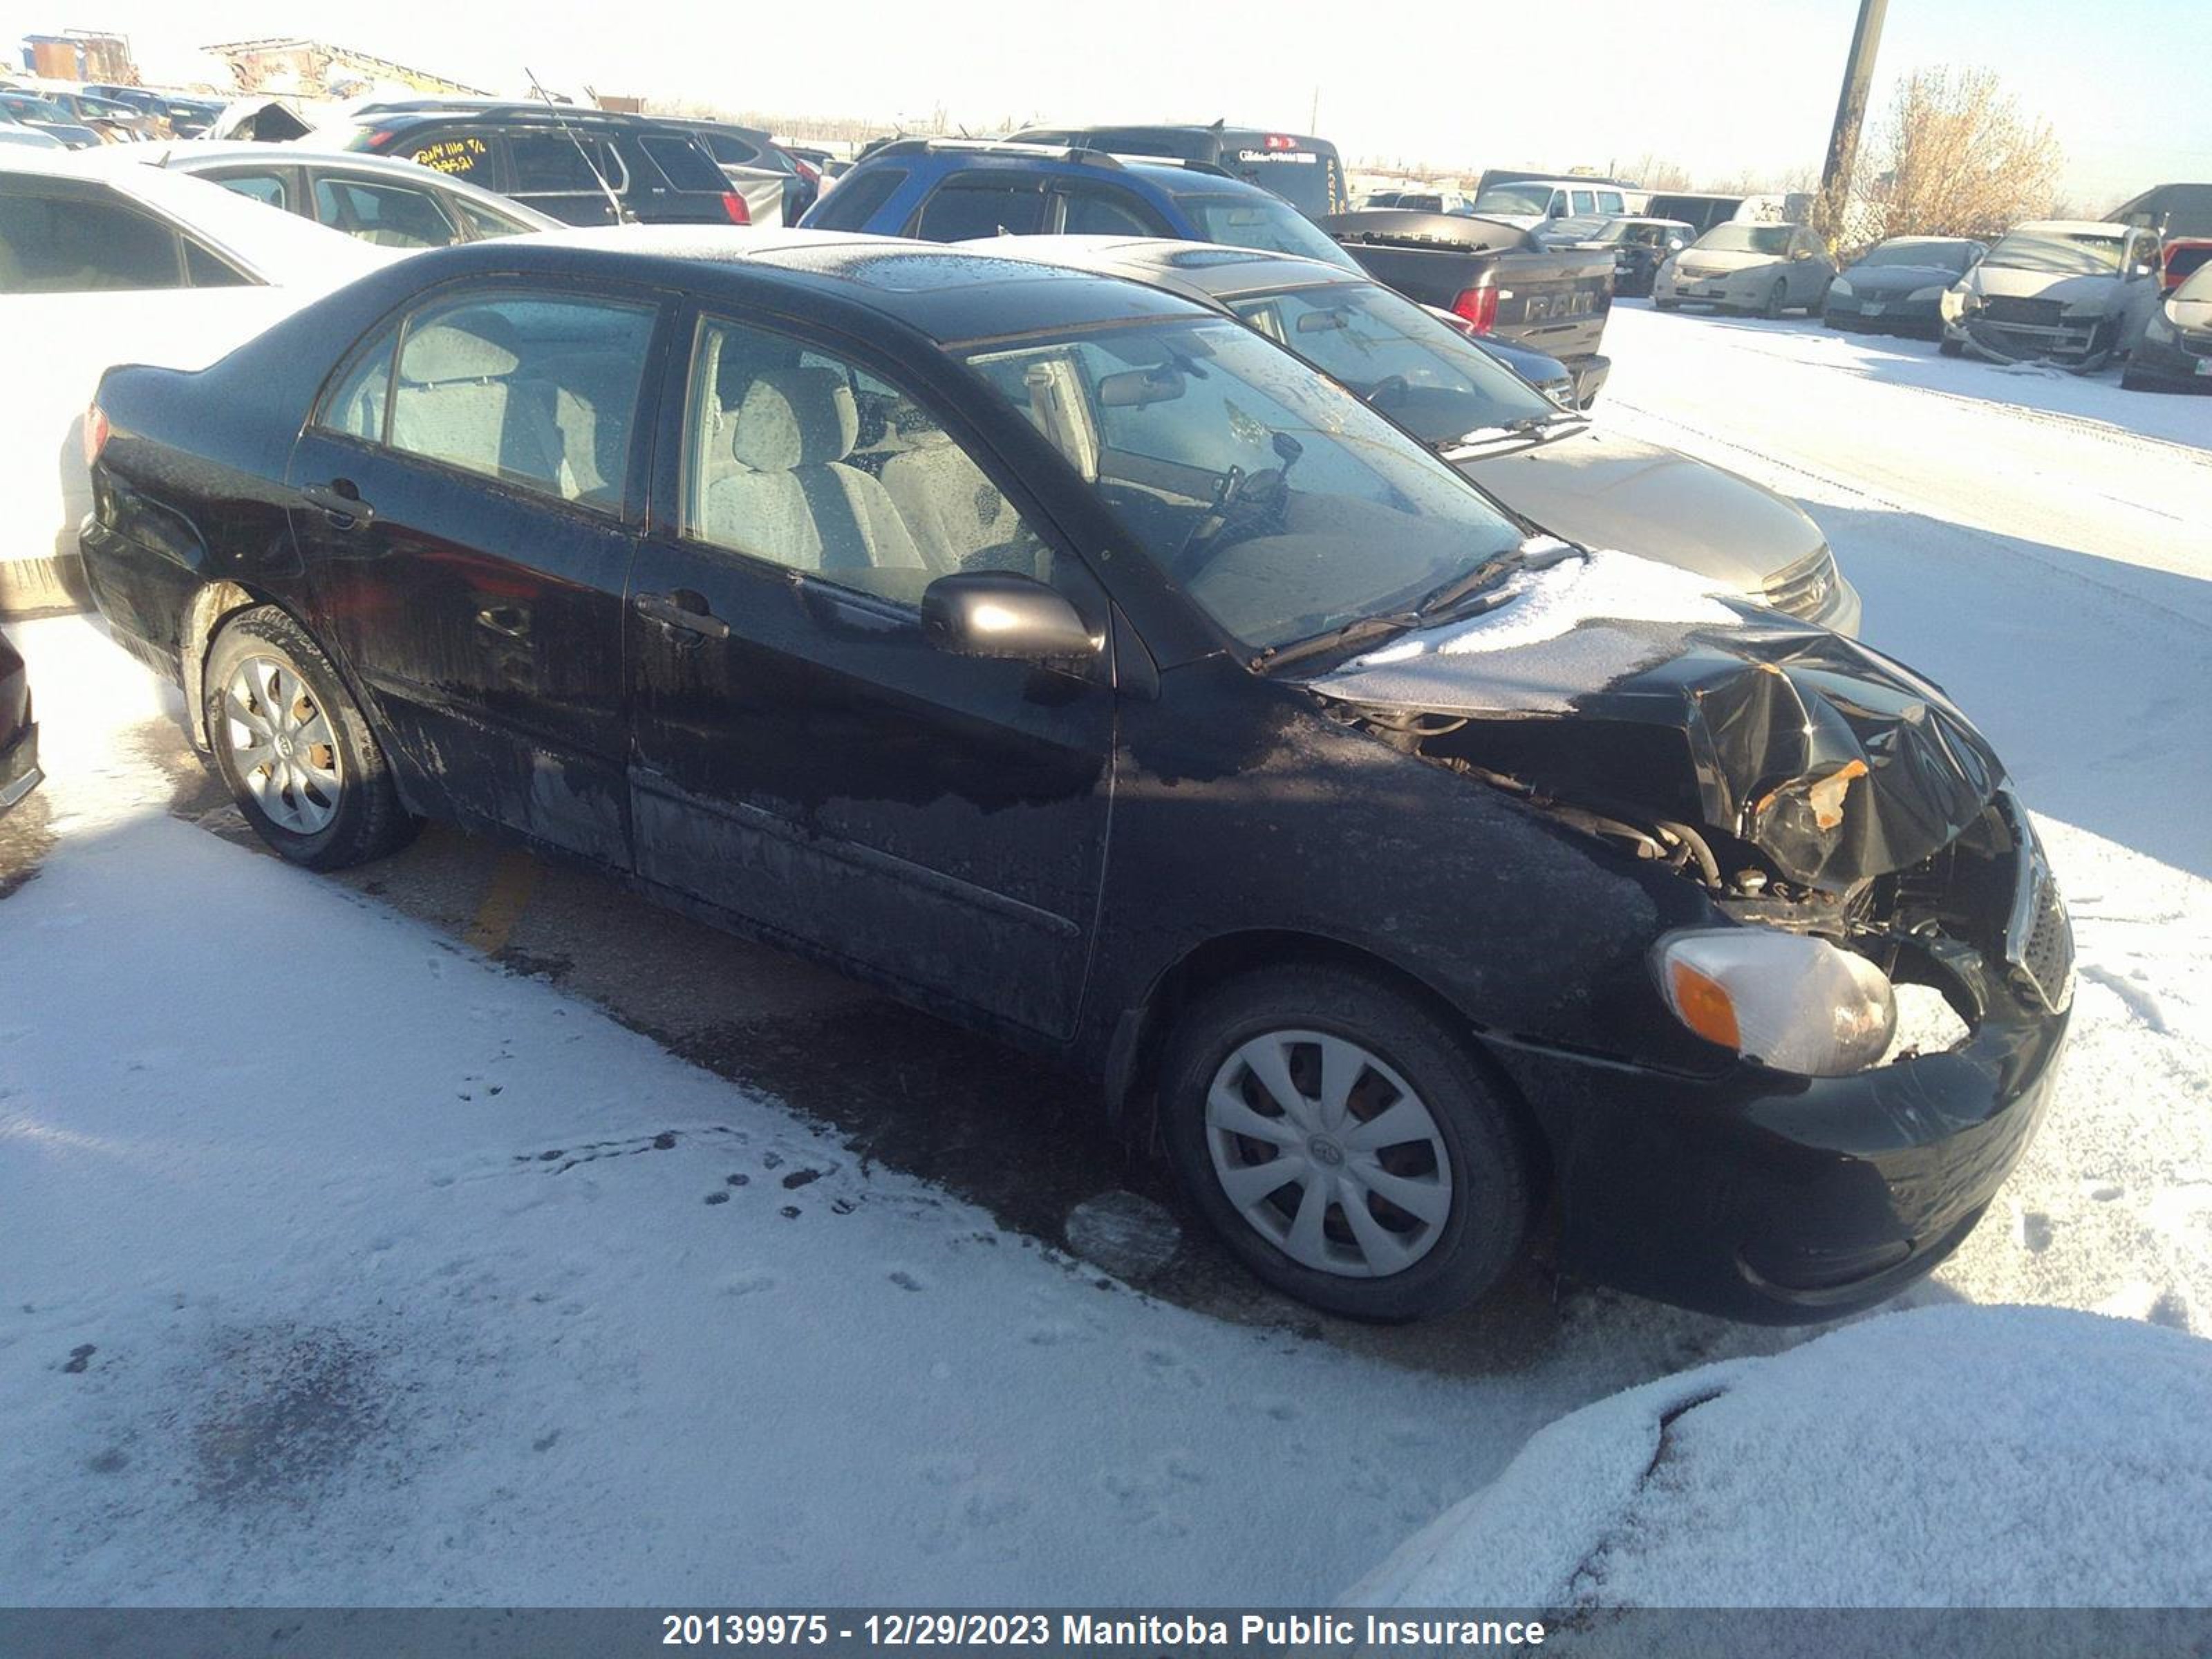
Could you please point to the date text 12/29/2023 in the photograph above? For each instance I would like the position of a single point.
(1272, 1632)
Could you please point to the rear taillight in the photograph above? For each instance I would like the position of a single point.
(1477, 307)
(734, 205)
(96, 432)
(807, 170)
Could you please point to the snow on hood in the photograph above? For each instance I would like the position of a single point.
(1951, 1457)
(1540, 616)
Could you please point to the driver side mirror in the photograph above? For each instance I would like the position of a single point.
(991, 613)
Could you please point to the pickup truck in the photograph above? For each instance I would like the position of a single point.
(1495, 278)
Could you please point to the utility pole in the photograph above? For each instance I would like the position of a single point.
(1313, 115)
(1851, 113)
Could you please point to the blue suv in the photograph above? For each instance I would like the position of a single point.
(941, 189)
(955, 190)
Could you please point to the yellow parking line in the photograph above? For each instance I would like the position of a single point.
(513, 879)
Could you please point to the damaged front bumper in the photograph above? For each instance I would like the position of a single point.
(1767, 1197)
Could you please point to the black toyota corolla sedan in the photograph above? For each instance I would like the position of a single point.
(1075, 661)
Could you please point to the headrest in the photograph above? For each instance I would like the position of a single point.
(479, 350)
(795, 418)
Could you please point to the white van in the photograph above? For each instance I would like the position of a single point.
(1528, 203)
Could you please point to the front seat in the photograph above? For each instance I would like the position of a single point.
(954, 513)
(789, 497)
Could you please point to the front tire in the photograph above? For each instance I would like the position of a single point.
(1345, 1143)
(1951, 348)
(1777, 300)
(292, 744)
(1658, 304)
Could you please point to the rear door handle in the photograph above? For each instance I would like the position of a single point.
(340, 503)
(682, 610)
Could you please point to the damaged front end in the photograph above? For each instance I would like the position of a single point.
(1812, 787)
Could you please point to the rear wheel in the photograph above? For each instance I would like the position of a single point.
(294, 748)
(1951, 348)
(1658, 304)
(1343, 1140)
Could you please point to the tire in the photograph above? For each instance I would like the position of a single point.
(1658, 304)
(2131, 381)
(1951, 348)
(323, 798)
(1777, 300)
(1462, 1151)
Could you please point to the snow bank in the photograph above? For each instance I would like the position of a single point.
(1949, 1456)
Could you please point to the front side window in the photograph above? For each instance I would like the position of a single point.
(1282, 504)
(384, 215)
(1397, 358)
(803, 460)
(1103, 210)
(535, 391)
(355, 406)
(1264, 222)
(71, 244)
(961, 210)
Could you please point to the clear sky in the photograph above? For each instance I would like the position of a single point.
(1721, 89)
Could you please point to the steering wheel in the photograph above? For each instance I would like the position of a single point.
(1241, 498)
(1389, 391)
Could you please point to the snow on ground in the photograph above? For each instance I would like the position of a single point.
(2069, 1449)
(343, 1267)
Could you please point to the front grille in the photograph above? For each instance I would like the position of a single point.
(2038, 942)
(2197, 341)
(2029, 314)
(1802, 589)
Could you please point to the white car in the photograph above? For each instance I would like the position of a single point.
(1763, 269)
(381, 200)
(2074, 291)
(102, 264)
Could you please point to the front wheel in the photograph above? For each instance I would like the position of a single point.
(1658, 304)
(1951, 348)
(1345, 1143)
(1778, 297)
(294, 748)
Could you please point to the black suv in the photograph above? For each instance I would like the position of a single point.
(1305, 171)
(575, 164)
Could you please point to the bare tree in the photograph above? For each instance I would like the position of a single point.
(1955, 157)
(1656, 172)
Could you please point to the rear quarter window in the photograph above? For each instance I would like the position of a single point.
(685, 162)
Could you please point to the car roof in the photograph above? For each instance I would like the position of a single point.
(414, 112)
(1206, 270)
(281, 248)
(951, 294)
(1928, 242)
(2076, 227)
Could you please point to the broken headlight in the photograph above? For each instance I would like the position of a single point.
(1788, 1000)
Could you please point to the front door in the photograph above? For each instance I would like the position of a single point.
(802, 757)
(464, 499)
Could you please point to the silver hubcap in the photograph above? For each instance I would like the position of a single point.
(1328, 1154)
(282, 745)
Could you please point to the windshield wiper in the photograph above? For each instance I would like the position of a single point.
(1355, 632)
(1529, 428)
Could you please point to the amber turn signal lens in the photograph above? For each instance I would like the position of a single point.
(1702, 1005)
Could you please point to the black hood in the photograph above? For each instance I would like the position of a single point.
(1836, 763)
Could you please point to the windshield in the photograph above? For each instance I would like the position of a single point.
(1933, 256)
(1515, 198)
(1271, 225)
(37, 109)
(1415, 369)
(1745, 239)
(1284, 506)
(2084, 253)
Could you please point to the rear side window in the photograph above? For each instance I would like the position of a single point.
(535, 391)
(857, 198)
(559, 163)
(961, 209)
(208, 271)
(1582, 201)
(733, 151)
(684, 163)
(384, 215)
(355, 404)
(1608, 201)
(267, 188)
(482, 223)
(50, 245)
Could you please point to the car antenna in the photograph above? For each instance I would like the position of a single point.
(622, 216)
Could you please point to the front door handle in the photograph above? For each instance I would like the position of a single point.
(340, 503)
(682, 609)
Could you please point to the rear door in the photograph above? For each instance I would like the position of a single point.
(802, 757)
(996, 202)
(468, 491)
